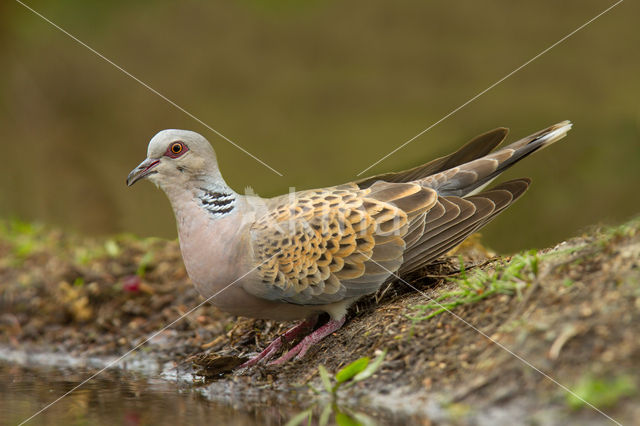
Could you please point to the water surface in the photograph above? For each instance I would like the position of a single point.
(116, 397)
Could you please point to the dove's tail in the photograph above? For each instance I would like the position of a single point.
(473, 176)
(462, 207)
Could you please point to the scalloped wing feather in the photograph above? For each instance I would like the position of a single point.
(325, 245)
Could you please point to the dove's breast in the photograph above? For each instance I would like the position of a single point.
(210, 248)
(214, 250)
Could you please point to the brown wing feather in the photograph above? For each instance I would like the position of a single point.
(448, 235)
(518, 189)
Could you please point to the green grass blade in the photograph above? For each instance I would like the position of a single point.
(352, 369)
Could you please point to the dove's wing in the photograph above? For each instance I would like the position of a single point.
(322, 246)
(327, 245)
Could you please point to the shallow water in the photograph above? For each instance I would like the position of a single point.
(116, 397)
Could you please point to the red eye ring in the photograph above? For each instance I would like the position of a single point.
(176, 149)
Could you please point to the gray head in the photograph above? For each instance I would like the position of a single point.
(177, 158)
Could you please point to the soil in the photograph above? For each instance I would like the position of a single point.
(572, 322)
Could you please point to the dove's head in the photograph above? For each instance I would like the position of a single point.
(177, 158)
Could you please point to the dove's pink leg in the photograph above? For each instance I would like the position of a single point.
(301, 348)
(288, 336)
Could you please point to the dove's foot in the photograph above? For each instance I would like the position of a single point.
(289, 335)
(301, 348)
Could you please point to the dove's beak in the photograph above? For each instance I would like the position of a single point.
(143, 170)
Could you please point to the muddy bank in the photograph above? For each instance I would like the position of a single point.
(572, 312)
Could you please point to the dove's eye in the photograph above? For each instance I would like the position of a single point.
(176, 149)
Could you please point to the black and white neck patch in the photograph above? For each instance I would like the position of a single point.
(218, 203)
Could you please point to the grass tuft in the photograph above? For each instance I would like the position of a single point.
(506, 278)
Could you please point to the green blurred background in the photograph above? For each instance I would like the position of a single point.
(319, 90)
